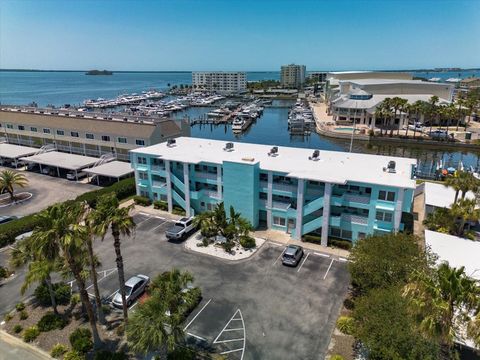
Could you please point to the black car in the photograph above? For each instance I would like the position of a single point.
(6, 219)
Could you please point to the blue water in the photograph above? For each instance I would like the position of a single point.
(271, 128)
(59, 88)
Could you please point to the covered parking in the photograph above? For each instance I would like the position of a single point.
(113, 170)
(59, 160)
(15, 152)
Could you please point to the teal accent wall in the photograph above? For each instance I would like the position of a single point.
(240, 189)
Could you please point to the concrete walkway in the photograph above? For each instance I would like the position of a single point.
(283, 238)
(12, 348)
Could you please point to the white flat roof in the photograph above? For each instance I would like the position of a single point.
(439, 195)
(12, 151)
(115, 169)
(333, 166)
(62, 160)
(344, 100)
(349, 72)
(377, 81)
(456, 251)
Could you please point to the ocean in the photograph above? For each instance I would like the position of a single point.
(59, 88)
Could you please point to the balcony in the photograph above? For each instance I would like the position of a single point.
(157, 168)
(276, 205)
(158, 184)
(278, 186)
(355, 219)
(205, 175)
(358, 199)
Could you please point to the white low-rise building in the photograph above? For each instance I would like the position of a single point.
(440, 196)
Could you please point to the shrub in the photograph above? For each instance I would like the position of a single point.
(247, 242)
(10, 230)
(342, 244)
(120, 330)
(228, 246)
(30, 333)
(73, 355)
(142, 200)
(17, 328)
(192, 299)
(58, 350)
(160, 205)
(51, 321)
(81, 340)
(75, 299)
(8, 317)
(181, 354)
(336, 357)
(106, 309)
(23, 315)
(178, 211)
(122, 190)
(345, 325)
(3, 272)
(108, 355)
(20, 306)
(312, 238)
(62, 294)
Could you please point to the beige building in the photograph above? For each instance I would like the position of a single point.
(86, 133)
(293, 75)
(472, 82)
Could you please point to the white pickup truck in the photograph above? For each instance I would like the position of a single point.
(182, 228)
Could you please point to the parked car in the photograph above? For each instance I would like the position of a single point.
(6, 219)
(440, 134)
(416, 127)
(46, 170)
(292, 255)
(32, 166)
(182, 228)
(134, 287)
(80, 175)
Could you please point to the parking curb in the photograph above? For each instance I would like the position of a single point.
(33, 350)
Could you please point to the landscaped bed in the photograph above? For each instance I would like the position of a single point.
(5, 200)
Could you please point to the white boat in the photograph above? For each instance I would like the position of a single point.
(239, 124)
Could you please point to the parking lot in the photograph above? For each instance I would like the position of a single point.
(46, 191)
(251, 309)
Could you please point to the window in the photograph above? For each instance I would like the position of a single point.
(9, 126)
(33, 129)
(90, 136)
(60, 132)
(140, 142)
(122, 140)
(142, 175)
(386, 195)
(279, 221)
(142, 160)
(21, 127)
(73, 134)
(105, 138)
(335, 232)
(46, 131)
(340, 233)
(384, 216)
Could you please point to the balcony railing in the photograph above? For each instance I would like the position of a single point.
(211, 193)
(157, 167)
(360, 199)
(279, 186)
(277, 205)
(205, 175)
(355, 219)
(158, 184)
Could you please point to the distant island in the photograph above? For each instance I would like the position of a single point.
(99, 72)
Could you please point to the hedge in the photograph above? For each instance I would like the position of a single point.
(339, 243)
(159, 204)
(10, 230)
(142, 200)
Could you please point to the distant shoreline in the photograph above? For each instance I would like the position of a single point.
(255, 71)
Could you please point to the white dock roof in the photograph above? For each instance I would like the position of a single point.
(114, 169)
(12, 151)
(62, 160)
(333, 166)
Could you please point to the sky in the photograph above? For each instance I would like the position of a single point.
(247, 35)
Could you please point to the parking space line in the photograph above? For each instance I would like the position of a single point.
(278, 258)
(322, 255)
(275, 244)
(231, 351)
(325, 276)
(306, 257)
(156, 227)
(191, 321)
(342, 259)
(233, 329)
(141, 222)
(196, 336)
(227, 341)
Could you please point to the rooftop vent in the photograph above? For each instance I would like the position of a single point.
(273, 151)
(390, 167)
(228, 147)
(171, 142)
(315, 156)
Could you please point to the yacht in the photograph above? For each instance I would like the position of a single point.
(239, 124)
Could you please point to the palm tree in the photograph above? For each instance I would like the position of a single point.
(399, 105)
(40, 266)
(432, 109)
(460, 111)
(441, 220)
(9, 180)
(108, 215)
(442, 301)
(59, 231)
(465, 210)
(462, 182)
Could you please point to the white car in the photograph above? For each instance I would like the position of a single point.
(80, 175)
(134, 287)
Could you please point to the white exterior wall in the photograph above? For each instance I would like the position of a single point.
(220, 81)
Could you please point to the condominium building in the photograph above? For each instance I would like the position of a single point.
(299, 191)
(85, 133)
(220, 81)
(319, 77)
(292, 75)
